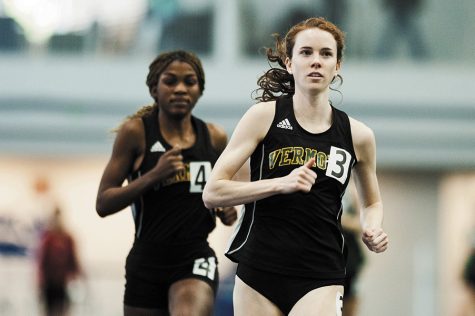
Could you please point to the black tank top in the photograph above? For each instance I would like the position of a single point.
(298, 234)
(173, 212)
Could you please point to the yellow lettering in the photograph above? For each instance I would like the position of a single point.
(273, 156)
(309, 154)
(298, 156)
(180, 176)
(322, 160)
(285, 156)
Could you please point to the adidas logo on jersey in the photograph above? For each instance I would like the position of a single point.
(285, 124)
(157, 147)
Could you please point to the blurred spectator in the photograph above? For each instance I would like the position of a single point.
(57, 266)
(355, 259)
(259, 22)
(16, 268)
(469, 279)
(182, 24)
(11, 35)
(21, 225)
(42, 204)
(402, 24)
(335, 11)
(469, 271)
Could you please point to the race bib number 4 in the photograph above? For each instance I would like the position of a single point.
(199, 174)
(205, 267)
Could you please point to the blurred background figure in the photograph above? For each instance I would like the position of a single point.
(336, 11)
(21, 226)
(58, 265)
(468, 307)
(177, 24)
(351, 229)
(42, 204)
(185, 25)
(402, 25)
(260, 22)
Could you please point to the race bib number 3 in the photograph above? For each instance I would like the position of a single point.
(338, 164)
(199, 174)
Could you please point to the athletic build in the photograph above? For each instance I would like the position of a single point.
(302, 151)
(166, 154)
(268, 233)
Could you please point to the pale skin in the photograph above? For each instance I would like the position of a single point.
(313, 65)
(177, 93)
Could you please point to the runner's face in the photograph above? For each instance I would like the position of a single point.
(177, 90)
(314, 59)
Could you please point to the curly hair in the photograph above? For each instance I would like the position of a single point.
(277, 80)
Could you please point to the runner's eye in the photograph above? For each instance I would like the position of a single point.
(191, 81)
(170, 81)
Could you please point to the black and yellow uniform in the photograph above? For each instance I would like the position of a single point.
(469, 270)
(171, 222)
(296, 235)
(355, 258)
